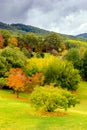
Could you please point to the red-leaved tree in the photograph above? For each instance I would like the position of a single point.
(1, 41)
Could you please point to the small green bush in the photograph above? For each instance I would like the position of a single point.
(50, 98)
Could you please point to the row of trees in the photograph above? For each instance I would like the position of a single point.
(31, 41)
(54, 70)
(14, 58)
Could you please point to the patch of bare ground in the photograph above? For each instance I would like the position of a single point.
(55, 113)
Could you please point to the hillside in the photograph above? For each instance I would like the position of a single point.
(29, 28)
(23, 28)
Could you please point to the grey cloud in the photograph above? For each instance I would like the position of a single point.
(57, 15)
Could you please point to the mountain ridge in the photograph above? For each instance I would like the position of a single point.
(22, 28)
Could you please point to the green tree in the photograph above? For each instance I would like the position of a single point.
(73, 55)
(11, 57)
(62, 73)
(31, 40)
(49, 98)
(21, 41)
(52, 41)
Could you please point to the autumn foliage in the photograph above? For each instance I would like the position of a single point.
(18, 81)
(1, 41)
(34, 81)
(12, 41)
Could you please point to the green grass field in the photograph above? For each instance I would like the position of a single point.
(17, 114)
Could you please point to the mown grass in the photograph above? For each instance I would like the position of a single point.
(17, 114)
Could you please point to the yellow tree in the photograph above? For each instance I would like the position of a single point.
(12, 41)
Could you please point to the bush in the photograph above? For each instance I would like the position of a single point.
(50, 98)
(63, 74)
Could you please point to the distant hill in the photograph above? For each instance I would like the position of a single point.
(5, 26)
(29, 28)
(83, 36)
(24, 28)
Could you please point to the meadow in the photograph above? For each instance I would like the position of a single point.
(18, 114)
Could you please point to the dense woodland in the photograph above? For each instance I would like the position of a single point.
(48, 66)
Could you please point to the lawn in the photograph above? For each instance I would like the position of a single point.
(17, 114)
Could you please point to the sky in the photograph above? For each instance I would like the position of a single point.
(62, 16)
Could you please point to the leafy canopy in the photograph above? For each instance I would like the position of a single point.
(49, 98)
(63, 74)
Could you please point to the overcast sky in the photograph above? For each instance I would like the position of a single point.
(63, 16)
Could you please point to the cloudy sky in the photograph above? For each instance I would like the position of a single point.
(63, 16)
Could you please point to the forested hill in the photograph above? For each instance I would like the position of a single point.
(29, 28)
(24, 28)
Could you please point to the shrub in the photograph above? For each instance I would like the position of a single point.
(50, 98)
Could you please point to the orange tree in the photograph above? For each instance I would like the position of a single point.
(1, 41)
(17, 80)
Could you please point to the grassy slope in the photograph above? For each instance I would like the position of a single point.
(16, 114)
(82, 92)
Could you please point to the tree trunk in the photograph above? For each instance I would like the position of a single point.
(17, 92)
